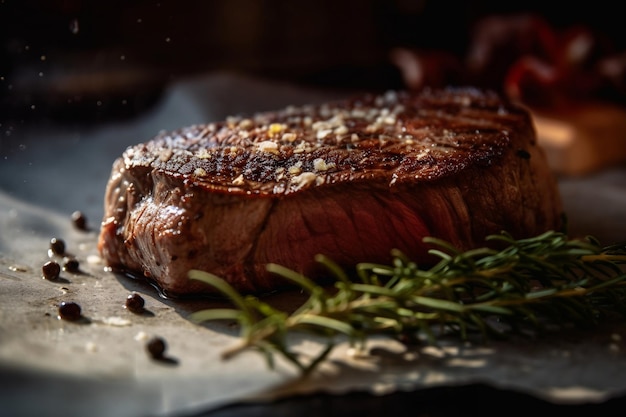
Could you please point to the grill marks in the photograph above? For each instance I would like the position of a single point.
(351, 180)
(391, 134)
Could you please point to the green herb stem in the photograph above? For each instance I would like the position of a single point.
(529, 283)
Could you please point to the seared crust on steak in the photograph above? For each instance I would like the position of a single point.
(351, 179)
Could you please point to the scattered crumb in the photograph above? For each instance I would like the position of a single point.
(115, 321)
(18, 268)
(94, 259)
(142, 336)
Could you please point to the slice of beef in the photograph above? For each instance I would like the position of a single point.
(352, 180)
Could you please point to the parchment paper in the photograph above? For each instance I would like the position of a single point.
(99, 366)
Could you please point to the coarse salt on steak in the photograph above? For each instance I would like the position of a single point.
(351, 180)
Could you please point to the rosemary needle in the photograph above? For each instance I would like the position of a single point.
(533, 283)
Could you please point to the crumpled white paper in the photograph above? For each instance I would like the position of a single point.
(100, 367)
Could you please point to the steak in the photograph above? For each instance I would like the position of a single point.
(350, 179)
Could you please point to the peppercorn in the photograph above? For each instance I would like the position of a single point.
(57, 246)
(134, 303)
(156, 347)
(71, 264)
(79, 220)
(51, 270)
(69, 310)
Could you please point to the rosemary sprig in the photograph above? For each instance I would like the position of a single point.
(528, 284)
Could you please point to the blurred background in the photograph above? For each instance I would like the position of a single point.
(85, 61)
(67, 66)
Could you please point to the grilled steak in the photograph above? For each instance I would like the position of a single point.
(351, 179)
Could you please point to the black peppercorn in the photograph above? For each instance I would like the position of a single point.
(69, 310)
(51, 270)
(71, 264)
(79, 220)
(135, 303)
(57, 246)
(156, 347)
